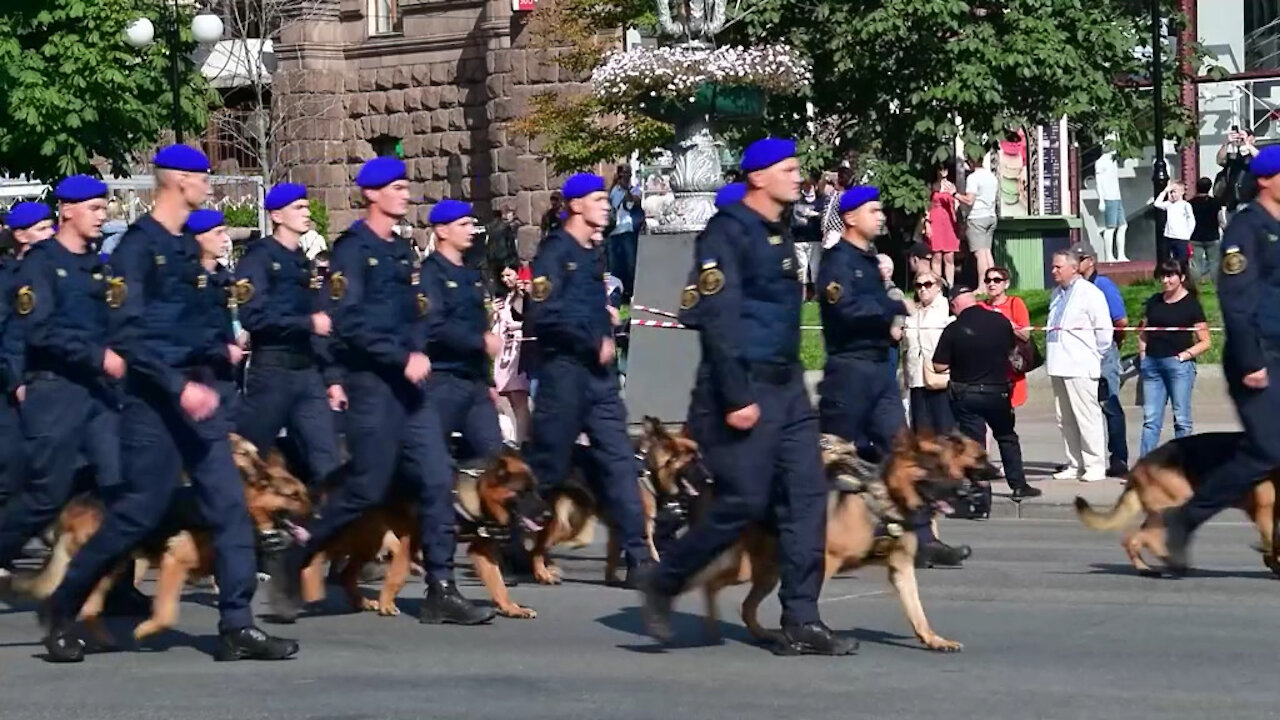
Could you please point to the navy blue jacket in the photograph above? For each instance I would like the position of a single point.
(568, 314)
(163, 324)
(62, 309)
(1249, 289)
(457, 317)
(12, 346)
(855, 305)
(376, 302)
(744, 297)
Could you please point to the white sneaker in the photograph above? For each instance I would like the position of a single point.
(1068, 474)
(1093, 477)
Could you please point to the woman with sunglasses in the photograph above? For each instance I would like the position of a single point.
(1168, 358)
(1015, 311)
(926, 389)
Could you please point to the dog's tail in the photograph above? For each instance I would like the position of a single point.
(41, 584)
(1127, 509)
(581, 524)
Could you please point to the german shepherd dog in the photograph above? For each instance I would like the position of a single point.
(181, 551)
(501, 497)
(672, 478)
(867, 512)
(1166, 478)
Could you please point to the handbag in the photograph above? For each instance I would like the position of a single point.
(1025, 357)
(933, 380)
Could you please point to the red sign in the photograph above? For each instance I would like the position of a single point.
(523, 5)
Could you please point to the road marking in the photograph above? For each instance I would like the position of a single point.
(854, 596)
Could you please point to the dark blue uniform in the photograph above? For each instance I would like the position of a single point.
(291, 367)
(744, 299)
(859, 398)
(171, 327)
(459, 385)
(575, 393)
(12, 464)
(1249, 292)
(378, 311)
(71, 407)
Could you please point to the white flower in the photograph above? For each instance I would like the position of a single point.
(678, 72)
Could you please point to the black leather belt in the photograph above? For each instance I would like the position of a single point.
(281, 357)
(981, 387)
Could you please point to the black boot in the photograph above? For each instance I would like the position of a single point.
(445, 604)
(939, 554)
(125, 600)
(655, 605)
(284, 590)
(250, 643)
(635, 570)
(61, 643)
(1024, 491)
(814, 638)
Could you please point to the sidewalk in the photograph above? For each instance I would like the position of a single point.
(1042, 448)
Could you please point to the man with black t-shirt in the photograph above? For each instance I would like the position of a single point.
(975, 348)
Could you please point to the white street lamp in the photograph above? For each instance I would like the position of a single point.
(140, 33)
(205, 27)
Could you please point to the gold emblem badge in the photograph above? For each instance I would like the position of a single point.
(689, 298)
(1233, 263)
(711, 281)
(117, 291)
(337, 286)
(424, 305)
(25, 302)
(202, 281)
(834, 293)
(540, 289)
(243, 291)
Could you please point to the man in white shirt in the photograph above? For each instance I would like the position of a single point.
(980, 196)
(1073, 360)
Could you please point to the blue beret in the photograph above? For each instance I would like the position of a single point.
(202, 221)
(767, 153)
(582, 185)
(731, 194)
(25, 214)
(1267, 162)
(283, 195)
(447, 211)
(857, 196)
(182, 157)
(79, 188)
(381, 172)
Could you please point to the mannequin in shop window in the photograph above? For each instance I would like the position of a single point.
(1107, 174)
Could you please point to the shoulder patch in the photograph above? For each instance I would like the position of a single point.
(1233, 262)
(833, 292)
(25, 301)
(117, 292)
(540, 288)
(711, 281)
(243, 291)
(689, 297)
(424, 305)
(337, 286)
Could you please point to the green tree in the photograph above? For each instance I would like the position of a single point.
(72, 89)
(897, 81)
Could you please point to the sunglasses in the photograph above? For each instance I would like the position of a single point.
(925, 284)
(994, 279)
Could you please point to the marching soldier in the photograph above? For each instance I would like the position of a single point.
(1248, 288)
(291, 381)
(750, 412)
(379, 313)
(460, 345)
(70, 386)
(172, 419)
(578, 389)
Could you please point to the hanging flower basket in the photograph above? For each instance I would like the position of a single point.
(670, 82)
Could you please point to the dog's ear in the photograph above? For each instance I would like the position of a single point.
(686, 445)
(653, 426)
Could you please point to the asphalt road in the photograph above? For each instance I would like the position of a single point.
(1055, 625)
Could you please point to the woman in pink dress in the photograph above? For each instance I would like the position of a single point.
(509, 377)
(940, 226)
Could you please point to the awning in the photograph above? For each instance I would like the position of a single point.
(239, 63)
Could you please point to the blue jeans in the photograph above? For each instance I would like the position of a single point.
(1163, 379)
(1109, 396)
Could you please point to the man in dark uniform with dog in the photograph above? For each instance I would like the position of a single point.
(291, 382)
(171, 420)
(750, 411)
(379, 316)
(578, 388)
(1249, 293)
(459, 342)
(859, 399)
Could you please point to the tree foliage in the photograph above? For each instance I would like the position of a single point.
(72, 89)
(897, 81)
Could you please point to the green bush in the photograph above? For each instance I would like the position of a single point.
(320, 217)
(241, 215)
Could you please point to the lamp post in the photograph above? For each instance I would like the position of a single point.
(205, 27)
(1159, 170)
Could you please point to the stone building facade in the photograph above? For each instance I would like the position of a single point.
(440, 79)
